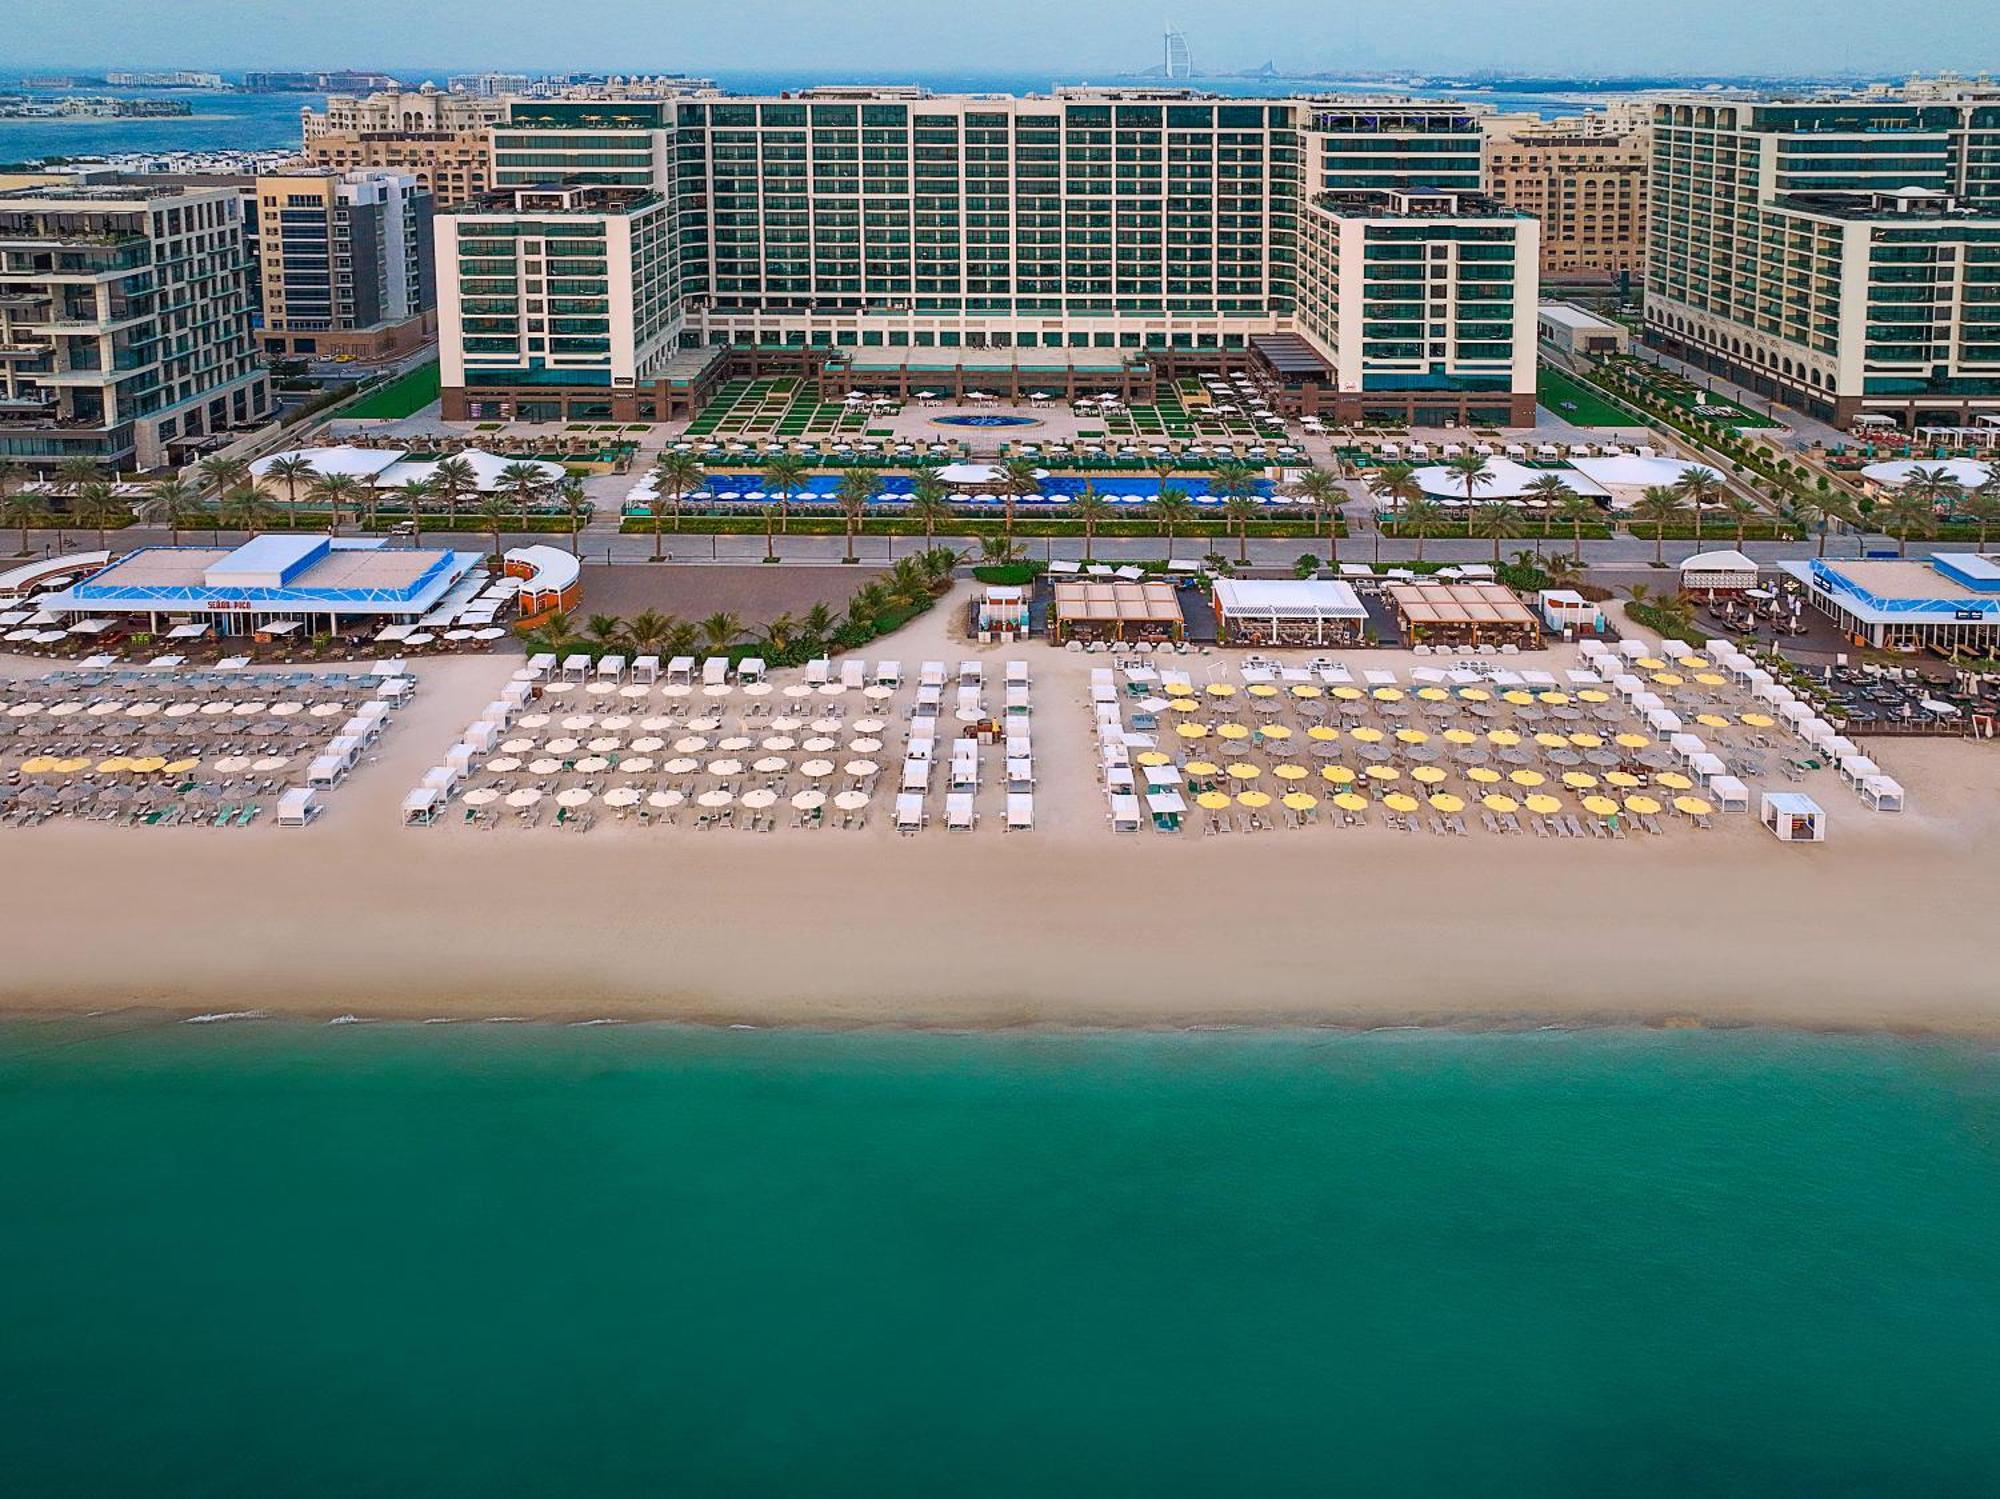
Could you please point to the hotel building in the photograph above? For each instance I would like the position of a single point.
(443, 140)
(1842, 257)
(1585, 178)
(347, 264)
(124, 323)
(1090, 239)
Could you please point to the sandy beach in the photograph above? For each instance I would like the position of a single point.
(1884, 926)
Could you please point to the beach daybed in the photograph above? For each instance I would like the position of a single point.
(1020, 811)
(298, 806)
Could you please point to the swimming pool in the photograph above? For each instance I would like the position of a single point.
(1057, 489)
(985, 421)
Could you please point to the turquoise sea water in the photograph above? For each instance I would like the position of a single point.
(270, 1259)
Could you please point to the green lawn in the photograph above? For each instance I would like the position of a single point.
(1577, 404)
(403, 396)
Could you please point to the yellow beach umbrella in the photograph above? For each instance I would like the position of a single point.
(1669, 678)
(1233, 731)
(1340, 775)
(1444, 801)
(1708, 679)
(1631, 741)
(1214, 801)
(1180, 689)
(1579, 780)
(1555, 699)
(1622, 778)
(1383, 773)
(39, 765)
(178, 767)
(1475, 694)
(1599, 806)
(1551, 741)
(1301, 801)
(1220, 689)
(73, 764)
(1262, 689)
(1184, 705)
(1347, 801)
(1711, 720)
(1151, 757)
(1593, 695)
(1275, 731)
(1692, 806)
(1400, 801)
(1290, 772)
(1349, 694)
(1430, 775)
(1542, 804)
(1527, 777)
(1433, 694)
(1388, 694)
(1322, 733)
(1203, 768)
(1517, 698)
(1495, 802)
(1587, 741)
(1482, 775)
(1652, 663)
(1412, 736)
(1460, 736)
(1306, 690)
(1505, 738)
(1673, 780)
(1366, 735)
(1692, 663)
(115, 763)
(1759, 720)
(1643, 806)
(1191, 730)
(1242, 772)
(1253, 799)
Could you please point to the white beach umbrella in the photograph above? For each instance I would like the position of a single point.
(664, 798)
(591, 765)
(861, 768)
(481, 796)
(544, 767)
(525, 796)
(866, 746)
(502, 765)
(725, 767)
(579, 721)
(851, 801)
(809, 801)
(759, 799)
(604, 744)
(820, 744)
(735, 743)
(573, 796)
(636, 764)
(816, 769)
(716, 798)
(682, 766)
(770, 765)
(622, 796)
(648, 743)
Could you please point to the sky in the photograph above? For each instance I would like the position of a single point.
(1064, 39)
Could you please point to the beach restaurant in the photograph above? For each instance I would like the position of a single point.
(1115, 610)
(1727, 573)
(1286, 611)
(1464, 613)
(271, 584)
(1949, 601)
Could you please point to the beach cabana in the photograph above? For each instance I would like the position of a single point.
(1882, 793)
(1728, 793)
(421, 806)
(297, 807)
(1792, 817)
(1124, 814)
(958, 813)
(909, 812)
(327, 770)
(1020, 811)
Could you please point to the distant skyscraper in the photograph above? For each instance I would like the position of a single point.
(1178, 62)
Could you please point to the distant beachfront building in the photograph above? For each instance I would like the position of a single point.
(346, 263)
(1842, 257)
(870, 231)
(1585, 178)
(124, 323)
(441, 139)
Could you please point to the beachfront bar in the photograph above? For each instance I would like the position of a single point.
(1284, 611)
(1475, 614)
(1119, 611)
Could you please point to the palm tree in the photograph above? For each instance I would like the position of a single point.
(1699, 487)
(818, 623)
(1915, 504)
(24, 510)
(220, 475)
(1576, 511)
(720, 631)
(998, 550)
(1321, 490)
(648, 631)
(1018, 477)
(770, 516)
(858, 486)
(930, 502)
(784, 476)
(1092, 509)
(73, 473)
(1741, 512)
(1982, 508)
(492, 513)
(1495, 520)
(1421, 517)
(780, 635)
(1818, 508)
(11, 475)
(1473, 473)
(415, 492)
(1659, 504)
(292, 472)
(454, 479)
(675, 475)
(1239, 510)
(340, 493)
(1394, 485)
(526, 482)
(1562, 569)
(170, 503)
(606, 629)
(576, 504)
(1551, 491)
(97, 505)
(244, 509)
(1172, 509)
